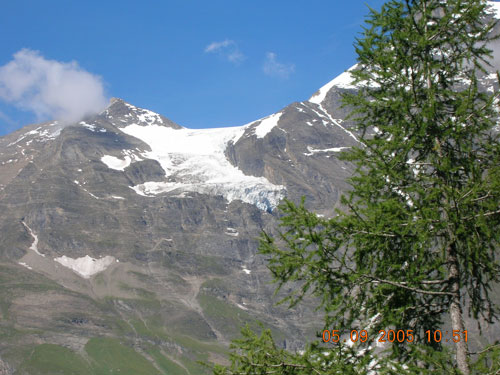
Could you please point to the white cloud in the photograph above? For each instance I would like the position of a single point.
(273, 67)
(217, 46)
(235, 56)
(228, 49)
(49, 88)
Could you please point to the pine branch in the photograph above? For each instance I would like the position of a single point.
(483, 197)
(374, 234)
(466, 194)
(489, 213)
(402, 285)
(430, 282)
(485, 350)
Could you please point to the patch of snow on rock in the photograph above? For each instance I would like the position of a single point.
(494, 9)
(86, 266)
(34, 245)
(40, 134)
(194, 161)
(132, 155)
(315, 151)
(232, 232)
(92, 195)
(115, 163)
(267, 124)
(55, 134)
(241, 306)
(118, 164)
(145, 115)
(25, 265)
(247, 271)
(16, 141)
(90, 127)
(324, 114)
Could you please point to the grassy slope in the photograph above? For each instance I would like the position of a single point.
(53, 359)
(109, 356)
(172, 348)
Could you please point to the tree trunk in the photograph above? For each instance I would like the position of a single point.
(457, 322)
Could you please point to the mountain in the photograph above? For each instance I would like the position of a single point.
(126, 230)
(129, 242)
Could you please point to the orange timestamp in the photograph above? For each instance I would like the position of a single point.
(392, 335)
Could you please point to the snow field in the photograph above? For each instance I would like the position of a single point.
(86, 266)
(194, 161)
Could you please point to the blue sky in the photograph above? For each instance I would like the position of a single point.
(200, 63)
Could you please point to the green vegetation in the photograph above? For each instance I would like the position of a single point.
(105, 356)
(194, 367)
(120, 327)
(142, 276)
(109, 356)
(47, 359)
(190, 323)
(168, 366)
(141, 293)
(218, 284)
(226, 317)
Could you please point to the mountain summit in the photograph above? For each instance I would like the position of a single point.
(120, 112)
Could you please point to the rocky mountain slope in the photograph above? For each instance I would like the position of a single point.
(127, 230)
(129, 242)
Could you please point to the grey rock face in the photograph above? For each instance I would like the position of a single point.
(300, 152)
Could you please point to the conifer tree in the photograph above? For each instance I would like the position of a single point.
(419, 238)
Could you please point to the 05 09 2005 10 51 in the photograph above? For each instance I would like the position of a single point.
(391, 335)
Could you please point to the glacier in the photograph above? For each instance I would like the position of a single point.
(194, 160)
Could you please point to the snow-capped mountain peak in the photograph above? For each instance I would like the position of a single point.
(120, 113)
(342, 81)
